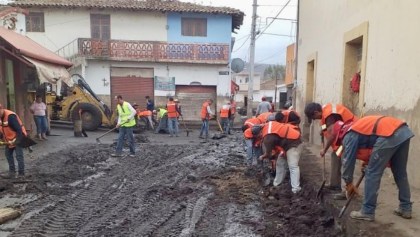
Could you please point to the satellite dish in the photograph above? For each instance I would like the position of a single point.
(237, 65)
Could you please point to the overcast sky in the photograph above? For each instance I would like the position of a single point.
(269, 48)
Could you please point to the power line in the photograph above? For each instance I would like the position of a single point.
(236, 50)
(281, 10)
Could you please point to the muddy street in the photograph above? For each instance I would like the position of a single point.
(189, 189)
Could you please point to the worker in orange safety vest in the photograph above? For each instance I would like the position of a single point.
(288, 137)
(329, 114)
(173, 114)
(225, 113)
(379, 141)
(12, 132)
(206, 114)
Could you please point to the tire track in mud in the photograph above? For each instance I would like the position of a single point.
(158, 193)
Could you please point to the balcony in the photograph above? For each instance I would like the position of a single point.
(146, 51)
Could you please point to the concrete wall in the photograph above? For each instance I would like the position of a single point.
(218, 28)
(290, 64)
(62, 26)
(389, 35)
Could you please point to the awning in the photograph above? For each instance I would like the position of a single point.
(51, 68)
(51, 73)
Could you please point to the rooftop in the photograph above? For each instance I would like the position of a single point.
(136, 5)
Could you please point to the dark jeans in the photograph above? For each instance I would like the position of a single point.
(123, 131)
(205, 127)
(19, 157)
(41, 124)
(225, 123)
(163, 124)
(173, 126)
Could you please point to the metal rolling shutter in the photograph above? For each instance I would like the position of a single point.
(132, 89)
(191, 99)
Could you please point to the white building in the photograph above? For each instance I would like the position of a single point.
(153, 47)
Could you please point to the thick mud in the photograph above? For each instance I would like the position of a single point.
(166, 190)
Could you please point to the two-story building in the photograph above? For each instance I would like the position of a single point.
(158, 48)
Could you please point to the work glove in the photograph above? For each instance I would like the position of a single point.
(350, 189)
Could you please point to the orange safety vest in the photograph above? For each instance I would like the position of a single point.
(286, 114)
(264, 117)
(9, 135)
(171, 110)
(248, 133)
(251, 122)
(283, 130)
(329, 109)
(144, 113)
(224, 113)
(204, 114)
(378, 125)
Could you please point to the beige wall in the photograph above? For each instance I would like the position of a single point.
(64, 26)
(390, 71)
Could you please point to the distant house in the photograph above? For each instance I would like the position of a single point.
(242, 80)
(158, 48)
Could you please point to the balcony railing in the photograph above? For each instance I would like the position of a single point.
(150, 51)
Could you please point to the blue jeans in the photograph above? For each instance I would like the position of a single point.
(123, 131)
(173, 126)
(225, 123)
(378, 161)
(252, 152)
(205, 127)
(41, 124)
(19, 157)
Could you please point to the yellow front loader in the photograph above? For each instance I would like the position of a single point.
(80, 102)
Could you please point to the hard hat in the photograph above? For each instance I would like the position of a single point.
(175, 100)
(256, 129)
(341, 128)
(135, 105)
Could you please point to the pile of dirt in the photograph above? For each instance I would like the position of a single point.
(301, 214)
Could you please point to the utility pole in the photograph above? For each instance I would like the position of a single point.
(251, 61)
(275, 93)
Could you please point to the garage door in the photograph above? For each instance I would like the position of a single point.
(192, 98)
(132, 89)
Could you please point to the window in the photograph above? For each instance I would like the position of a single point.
(100, 26)
(194, 26)
(35, 22)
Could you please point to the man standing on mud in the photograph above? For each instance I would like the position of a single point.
(379, 141)
(206, 114)
(12, 131)
(126, 122)
(329, 114)
(173, 114)
(263, 107)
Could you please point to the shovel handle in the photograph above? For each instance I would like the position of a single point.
(343, 210)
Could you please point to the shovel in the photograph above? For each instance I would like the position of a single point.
(318, 194)
(101, 136)
(221, 135)
(351, 196)
(185, 126)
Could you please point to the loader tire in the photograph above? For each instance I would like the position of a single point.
(91, 116)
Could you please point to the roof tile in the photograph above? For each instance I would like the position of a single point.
(136, 5)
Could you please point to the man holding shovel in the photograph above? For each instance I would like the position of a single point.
(379, 141)
(126, 122)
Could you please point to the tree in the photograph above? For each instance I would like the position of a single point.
(273, 72)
